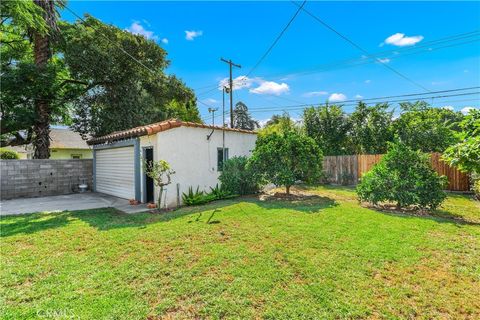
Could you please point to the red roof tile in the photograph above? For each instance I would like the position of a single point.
(156, 128)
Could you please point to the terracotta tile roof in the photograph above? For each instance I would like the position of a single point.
(154, 128)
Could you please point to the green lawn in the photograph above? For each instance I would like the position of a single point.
(325, 258)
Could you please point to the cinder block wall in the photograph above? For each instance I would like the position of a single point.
(37, 178)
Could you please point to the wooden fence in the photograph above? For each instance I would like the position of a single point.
(347, 170)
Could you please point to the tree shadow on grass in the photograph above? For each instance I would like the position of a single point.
(31, 223)
(439, 216)
(102, 219)
(309, 204)
(109, 218)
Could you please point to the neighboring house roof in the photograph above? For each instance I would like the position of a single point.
(66, 139)
(59, 139)
(156, 128)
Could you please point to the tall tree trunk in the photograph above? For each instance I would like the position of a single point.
(42, 54)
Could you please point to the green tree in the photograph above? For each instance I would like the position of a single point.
(371, 128)
(283, 159)
(161, 173)
(121, 91)
(428, 129)
(328, 125)
(242, 118)
(403, 176)
(465, 155)
(280, 124)
(30, 62)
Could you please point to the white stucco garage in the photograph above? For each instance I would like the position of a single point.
(195, 152)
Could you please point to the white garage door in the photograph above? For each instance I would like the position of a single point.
(115, 172)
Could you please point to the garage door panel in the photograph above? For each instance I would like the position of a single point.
(115, 172)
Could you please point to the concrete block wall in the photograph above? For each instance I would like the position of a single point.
(38, 178)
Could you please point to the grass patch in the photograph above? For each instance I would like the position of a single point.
(327, 258)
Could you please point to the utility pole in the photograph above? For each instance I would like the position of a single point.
(230, 63)
(212, 110)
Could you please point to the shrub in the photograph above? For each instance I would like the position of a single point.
(238, 178)
(220, 193)
(475, 180)
(476, 189)
(6, 154)
(192, 198)
(283, 159)
(197, 197)
(404, 177)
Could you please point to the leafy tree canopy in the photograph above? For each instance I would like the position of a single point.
(19, 19)
(465, 155)
(329, 126)
(89, 81)
(371, 128)
(283, 159)
(119, 91)
(242, 118)
(428, 129)
(280, 124)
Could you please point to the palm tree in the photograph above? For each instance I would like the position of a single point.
(242, 118)
(42, 54)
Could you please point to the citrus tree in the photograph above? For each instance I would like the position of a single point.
(404, 177)
(283, 159)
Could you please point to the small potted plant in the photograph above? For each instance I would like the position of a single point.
(133, 202)
(151, 205)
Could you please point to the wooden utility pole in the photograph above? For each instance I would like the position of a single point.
(230, 82)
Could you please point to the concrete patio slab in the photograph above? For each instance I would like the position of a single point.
(70, 202)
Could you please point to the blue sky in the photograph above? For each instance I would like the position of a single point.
(310, 64)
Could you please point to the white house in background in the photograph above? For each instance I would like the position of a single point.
(194, 151)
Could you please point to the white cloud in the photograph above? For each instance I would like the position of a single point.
(191, 35)
(263, 122)
(447, 108)
(368, 81)
(271, 87)
(466, 110)
(337, 97)
(210, 100)
(261, 86)
(400, 40)
(315, 94)
(384, 60)
(165, 40)
(137, 28)
(358, 96)
(239, 82)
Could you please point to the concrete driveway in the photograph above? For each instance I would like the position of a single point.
(70, 202)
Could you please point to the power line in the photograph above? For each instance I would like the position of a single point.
(352, 62)
(384, 99)
(425, 47)
(108, 39)
(266, 52)
(277, 39)
(293, 107)
(359, 47)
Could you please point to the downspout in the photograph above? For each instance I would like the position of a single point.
(223, 127)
